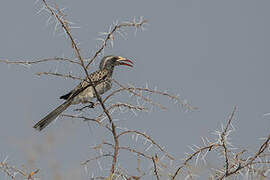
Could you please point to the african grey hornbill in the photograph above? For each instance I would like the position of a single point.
(84, 92)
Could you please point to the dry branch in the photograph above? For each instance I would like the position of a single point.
(13, 172)
(30, 62)
(59, 75)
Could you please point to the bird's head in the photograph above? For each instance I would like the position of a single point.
(109, 62)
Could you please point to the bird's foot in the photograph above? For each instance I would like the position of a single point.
(91, 105)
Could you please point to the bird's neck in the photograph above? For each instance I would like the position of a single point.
(110, 71)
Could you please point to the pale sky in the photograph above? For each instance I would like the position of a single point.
(214, 54)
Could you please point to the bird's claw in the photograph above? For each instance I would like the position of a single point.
(91, 105)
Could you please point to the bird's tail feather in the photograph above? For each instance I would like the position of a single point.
(51, 116)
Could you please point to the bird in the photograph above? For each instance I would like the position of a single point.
(84, 92)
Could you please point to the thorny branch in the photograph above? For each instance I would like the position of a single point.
(133, 90)
(96, 158)
(191, 156)
(135, 151)
(233, 165)
(59, 75)
(155, 167)
(149, 138)
(13, 172)
(88, 119)
(60, 17)
(249, 161)
(223, 140)
(117, 105)
(110, 35)
(234, 162)
(30, 62)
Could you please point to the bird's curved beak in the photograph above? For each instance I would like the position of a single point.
(124, 61)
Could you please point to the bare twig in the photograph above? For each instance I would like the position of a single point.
(110, 35)
(12, 171)
(30, 62)
(60, 17)
(88, 119)
(135, 151)
(149, 138)
(155, 167)
(59, 75)
(206, 148)
(221, 143)
(250, 161)
(96, 158)
(131, 90)
(223, 140)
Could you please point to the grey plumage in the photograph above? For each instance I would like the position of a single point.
(84, 93)
(52, 115)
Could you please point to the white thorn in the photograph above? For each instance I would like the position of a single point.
(63, 9)
(191, 148)
(99, 165)
(196, 146)
(55, 28)
(103, 33)
(148, 147)
(5, 160)
(111, 42)
(197, 158)
(86, 169)
(137, 136)
(203, 157)
(43, 8)
(134, 112)
(74, 27)
(266, 114)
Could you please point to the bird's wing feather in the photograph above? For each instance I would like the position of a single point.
(96, 77)
(51, 116)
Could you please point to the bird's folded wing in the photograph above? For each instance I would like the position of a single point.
(96, 78)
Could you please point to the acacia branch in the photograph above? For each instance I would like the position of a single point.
(110, 36)
(131, 90)
(223, 141)
(155, 167)
(262, 148)
(59, 75)
(88, 119)
(30, 62)
(149, 138)
(191, 156)
(96, 158)
(12, 171)
(64, 25)
(135, 151)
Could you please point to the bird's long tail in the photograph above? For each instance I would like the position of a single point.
(52, 115)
